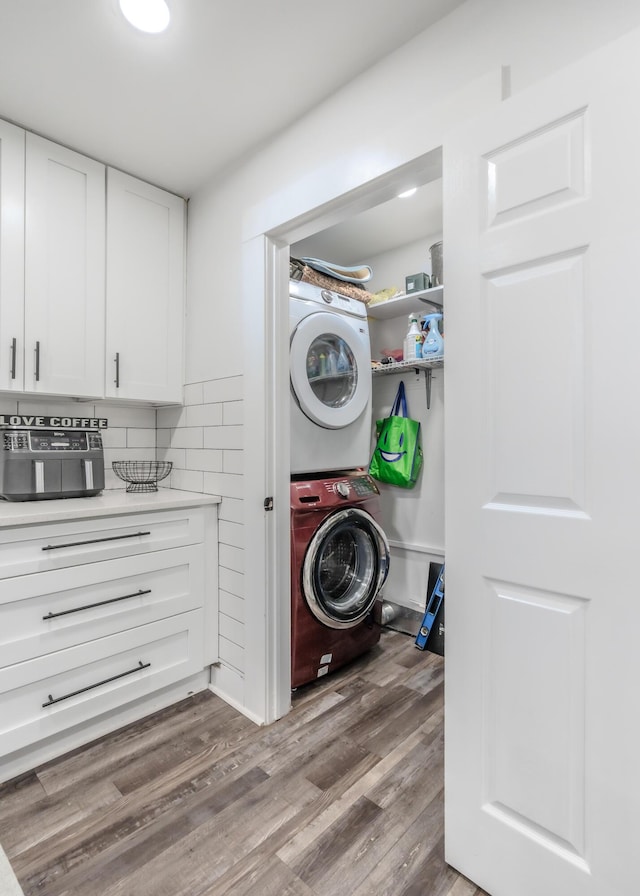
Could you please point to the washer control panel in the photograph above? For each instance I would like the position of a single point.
(353, 487)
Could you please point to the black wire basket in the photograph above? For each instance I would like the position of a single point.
(142, 475)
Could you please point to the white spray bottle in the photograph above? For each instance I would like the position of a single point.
(413, 340)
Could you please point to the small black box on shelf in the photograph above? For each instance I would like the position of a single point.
(416, 282)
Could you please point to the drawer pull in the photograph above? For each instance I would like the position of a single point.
(75, 544)
(100, 603)
(98, 684)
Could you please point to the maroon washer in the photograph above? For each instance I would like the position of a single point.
(339, 562)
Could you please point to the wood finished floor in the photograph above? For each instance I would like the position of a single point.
(343, 797)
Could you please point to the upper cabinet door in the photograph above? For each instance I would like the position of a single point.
(145, 291)
(11, 257)
(64, 271)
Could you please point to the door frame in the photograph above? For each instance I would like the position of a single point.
(270, 230)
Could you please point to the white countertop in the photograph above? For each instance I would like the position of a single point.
(110, 503)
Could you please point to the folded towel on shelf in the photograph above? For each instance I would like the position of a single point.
(384, 295)
(359, 273)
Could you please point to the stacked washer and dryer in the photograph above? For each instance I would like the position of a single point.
(339, 552)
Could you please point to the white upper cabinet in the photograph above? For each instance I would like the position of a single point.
(64, 271)
(11, 257)
(87, 268)
(145, 291)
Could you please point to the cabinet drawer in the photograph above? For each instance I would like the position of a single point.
(51, 611)
(53, 693)
(55, 545)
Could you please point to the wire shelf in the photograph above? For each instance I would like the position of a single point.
(401, 366)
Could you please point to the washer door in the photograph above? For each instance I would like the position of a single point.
(344, 568)
(330, 368)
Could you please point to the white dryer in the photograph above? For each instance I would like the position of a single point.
(330, 374)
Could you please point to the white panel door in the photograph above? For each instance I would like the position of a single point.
(145, 291)
(541, 236)
(64, 271)
(11, 257)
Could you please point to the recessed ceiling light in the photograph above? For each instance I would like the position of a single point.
(406, 193)
(151, 16)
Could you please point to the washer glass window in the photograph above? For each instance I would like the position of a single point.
(344, 569)
(332, 370)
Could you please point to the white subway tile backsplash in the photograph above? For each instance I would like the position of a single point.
(8, 406)
(111, 480)
(231, 558)
(117, 415)
(177, 456)
(226, 389)
(231, 533)
(232, 630)
(232, 605)
(187, 480)
(163, 438)
(56, 407)
(224, 437)
(193, 393)
(111, 454)
(232, 412)
(205, 459)
(228, 485)
(116, 438)
(170, 418)
(142, 438)
(233, 461)
(231, 653)
(187, 437)
(231, 581)
(231, 509)
(204, 415)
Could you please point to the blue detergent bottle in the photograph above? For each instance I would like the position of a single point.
(433, 342)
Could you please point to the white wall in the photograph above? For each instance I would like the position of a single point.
(408, 98)
(203, 440)
(390, 268)
(413, 519)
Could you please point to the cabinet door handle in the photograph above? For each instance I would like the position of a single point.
(13, 358)
(76, 544)
(100, 603)
(117, 379)
(37, 361)
(98, 684)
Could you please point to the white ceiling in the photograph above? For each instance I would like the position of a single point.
(176, 108)
(390, 225)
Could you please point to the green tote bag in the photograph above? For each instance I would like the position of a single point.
(397, 458)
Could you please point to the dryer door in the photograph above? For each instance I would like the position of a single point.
(330, 365)
(344, 568)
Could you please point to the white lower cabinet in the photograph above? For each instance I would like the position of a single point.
(116, 620)
(49, 694)
(48, 547)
